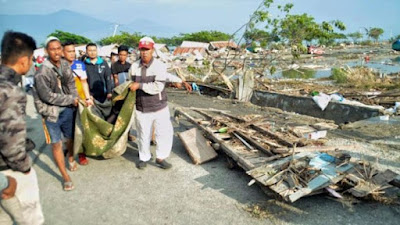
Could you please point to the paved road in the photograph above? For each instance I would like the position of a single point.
(115, 192)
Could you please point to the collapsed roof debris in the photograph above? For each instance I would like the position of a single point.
(287, 159)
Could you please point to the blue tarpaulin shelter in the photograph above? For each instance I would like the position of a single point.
(396, 45)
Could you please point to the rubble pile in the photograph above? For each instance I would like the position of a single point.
(290, 160)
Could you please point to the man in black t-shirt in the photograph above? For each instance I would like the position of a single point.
(120, 68)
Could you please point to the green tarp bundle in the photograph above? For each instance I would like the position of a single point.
(95, 136)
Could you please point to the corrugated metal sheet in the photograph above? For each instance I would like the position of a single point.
(181, 51)
(194, 44)
(161, 47)
(107, 49)
(223, 44)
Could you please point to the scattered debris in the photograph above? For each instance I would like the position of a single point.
(198, 148)
(272, 209)
(269, 154)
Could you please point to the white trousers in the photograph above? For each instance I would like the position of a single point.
(163, 130)
(29, 210)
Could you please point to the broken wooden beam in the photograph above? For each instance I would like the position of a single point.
(197, 146)
(214, 138)
(254, 143)
(315, 149)
(209, 109)
(271, 134)
(250, 147)
(229, 150)
(239, 132)
(268, 142)
(233, 117)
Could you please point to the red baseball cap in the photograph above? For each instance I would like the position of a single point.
(146, 42)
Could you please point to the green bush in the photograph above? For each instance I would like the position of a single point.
(339, 75)
(277, 46)
(191, 69)
(272, 70)
(194, 70)
(367, 43)
(302, 49)
(299, 73)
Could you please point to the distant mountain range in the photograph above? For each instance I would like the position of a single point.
(39, 26)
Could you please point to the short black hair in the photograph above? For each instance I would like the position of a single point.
(15, 45)
(68, 43)
(113, 53)
(91, 44)
(123, 48)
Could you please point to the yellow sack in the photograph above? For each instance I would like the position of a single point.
(79, 88)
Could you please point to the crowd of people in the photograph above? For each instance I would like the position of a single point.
(60, 83)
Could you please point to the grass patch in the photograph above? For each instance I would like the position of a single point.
(366, 43)
(299, 73)
(363, 78)
(339, 75)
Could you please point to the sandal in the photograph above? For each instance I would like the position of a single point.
(131, 138)
(72, 166)
(68, 186)
(82, 159)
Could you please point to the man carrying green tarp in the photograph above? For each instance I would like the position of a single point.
(95, 136)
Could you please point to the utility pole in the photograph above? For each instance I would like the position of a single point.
(115, 29)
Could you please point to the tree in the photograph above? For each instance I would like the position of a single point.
(297, 28)
(260, 36)
(331, 38)
(125, 38)
(294, 29)
(206, 36)
(132, 40)
(392, 39)
(356, 36)
(173, 41)
(67, 37)
(374, 33)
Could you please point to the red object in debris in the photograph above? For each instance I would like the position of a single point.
(366, 58)
(40, 59)
(315, 50)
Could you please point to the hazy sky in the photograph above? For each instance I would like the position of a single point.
(224, 15)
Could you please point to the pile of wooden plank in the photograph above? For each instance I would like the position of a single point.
(284, 159)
